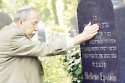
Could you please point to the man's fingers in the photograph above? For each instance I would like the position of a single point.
(93, 34)
(92, 27)
(89, 23)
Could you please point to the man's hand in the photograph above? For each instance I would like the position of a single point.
(88, 33)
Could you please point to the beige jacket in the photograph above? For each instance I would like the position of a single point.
(19, 61)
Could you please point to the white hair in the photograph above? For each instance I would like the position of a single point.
(23, 13)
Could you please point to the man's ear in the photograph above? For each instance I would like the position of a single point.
(20, 21)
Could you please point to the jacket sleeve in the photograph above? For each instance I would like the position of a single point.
(22, 46)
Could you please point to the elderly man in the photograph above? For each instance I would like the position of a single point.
(19, 61)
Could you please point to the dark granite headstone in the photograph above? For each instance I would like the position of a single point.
(99, 55)
(119, 9)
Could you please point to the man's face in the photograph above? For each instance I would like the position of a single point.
(30, 24)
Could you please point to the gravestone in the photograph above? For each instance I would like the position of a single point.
(119, 10)
(5, 19)
(99, 55)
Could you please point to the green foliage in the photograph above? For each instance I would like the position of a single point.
(0, 3)
(73, 65)
(54, 70)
